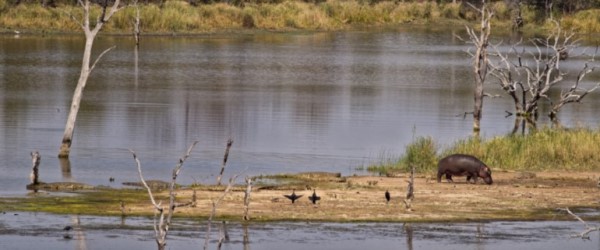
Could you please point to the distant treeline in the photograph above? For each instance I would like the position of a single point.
(563, 6)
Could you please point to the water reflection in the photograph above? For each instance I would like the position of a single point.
(65, 169)
(409, 236)
(36, 231)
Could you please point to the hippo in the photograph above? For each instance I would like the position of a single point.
(461, 165)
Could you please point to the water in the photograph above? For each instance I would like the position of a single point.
(291, 103)
(35, 231)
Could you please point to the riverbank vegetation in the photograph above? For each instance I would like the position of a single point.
(545, 149)
(177, 16)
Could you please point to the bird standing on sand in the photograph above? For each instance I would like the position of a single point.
(293, 196)
(387, 196)
(314, 198)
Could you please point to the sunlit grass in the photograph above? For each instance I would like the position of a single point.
(545, 149)
(178, 16)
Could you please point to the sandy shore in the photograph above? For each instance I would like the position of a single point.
(513, 196)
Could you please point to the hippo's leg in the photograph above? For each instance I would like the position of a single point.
(449, 177)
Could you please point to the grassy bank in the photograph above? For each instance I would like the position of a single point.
(180, 17)
(546, 149)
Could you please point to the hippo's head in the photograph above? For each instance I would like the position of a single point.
(486, 174)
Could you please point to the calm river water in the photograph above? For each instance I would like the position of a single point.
(291, 103)
(45, 231)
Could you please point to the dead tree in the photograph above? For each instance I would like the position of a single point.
(215, 204)
(528, 82)
(161, 227)
(229, 143)
(247, 197)
(86, 68)
(480, 40)
(588, 229)
(410, 190)
(136, 24)
(35, 162)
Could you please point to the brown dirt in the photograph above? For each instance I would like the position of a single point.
(513, 196)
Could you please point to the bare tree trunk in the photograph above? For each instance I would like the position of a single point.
(136, 24)
(35, 158)
(410, 189)
(90, 35)
(480, 62)
(247, 197)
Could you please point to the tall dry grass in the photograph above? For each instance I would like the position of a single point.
(545, 149)
(180, 17)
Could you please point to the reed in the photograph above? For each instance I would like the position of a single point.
(545, 149)
(422, 153)
(587, 21)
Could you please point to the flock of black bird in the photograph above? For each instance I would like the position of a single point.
(314, 198)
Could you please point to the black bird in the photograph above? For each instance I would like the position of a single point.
(387, 196)
(293, 196)
(68, 228)
(314, 198)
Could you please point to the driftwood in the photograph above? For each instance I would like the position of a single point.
(60, 186)
(588, 229)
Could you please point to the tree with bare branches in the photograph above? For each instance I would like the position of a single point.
(529, 76)
(86, 68)
(161, 227)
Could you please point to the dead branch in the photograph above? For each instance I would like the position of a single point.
(410, 190)
(575, 93)
(588, 229)
(229, 143)
(247, 197)
(161, 228)
(215, 204)
(100, 56)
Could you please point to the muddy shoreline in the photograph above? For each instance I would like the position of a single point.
(514, 196)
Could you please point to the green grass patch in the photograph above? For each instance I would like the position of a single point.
(545, 149)
(103, 202)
